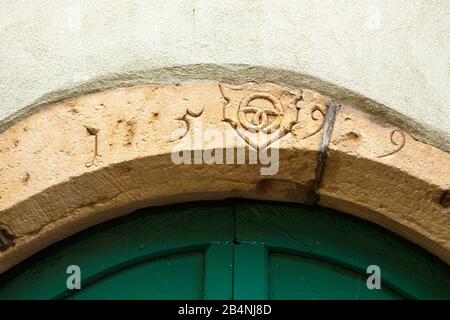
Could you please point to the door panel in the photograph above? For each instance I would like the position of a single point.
(250, 272)
(173, 277)
(299, 278)
(231, 250)
(219, 272)
(119, 244)
(345, 242)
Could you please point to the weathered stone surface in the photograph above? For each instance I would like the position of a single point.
(95, 157)
(89, 159)
(385, 176)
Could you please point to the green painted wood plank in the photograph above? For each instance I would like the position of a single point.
(250, 272)
(172, 277)
(115, 245)
(310, 241)
(345, 241)
(219, 272)
(299, 278)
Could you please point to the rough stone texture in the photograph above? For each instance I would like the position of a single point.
(384, 175)
(92, 158)
(385, 53)
(89, 159)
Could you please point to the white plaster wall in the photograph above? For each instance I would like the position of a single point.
(394, 52)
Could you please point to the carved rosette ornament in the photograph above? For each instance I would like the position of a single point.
(260, 113)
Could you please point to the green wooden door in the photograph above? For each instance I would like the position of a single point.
(315, 253)
(179, 252)
(231, 250)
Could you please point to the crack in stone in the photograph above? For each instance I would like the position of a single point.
(313, 197)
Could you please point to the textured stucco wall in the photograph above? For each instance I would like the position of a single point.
(397, 53)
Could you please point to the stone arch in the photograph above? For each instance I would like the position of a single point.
(84, 160)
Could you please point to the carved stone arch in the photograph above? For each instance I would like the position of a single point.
(85, 160)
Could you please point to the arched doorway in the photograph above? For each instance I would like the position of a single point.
(232, 249)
